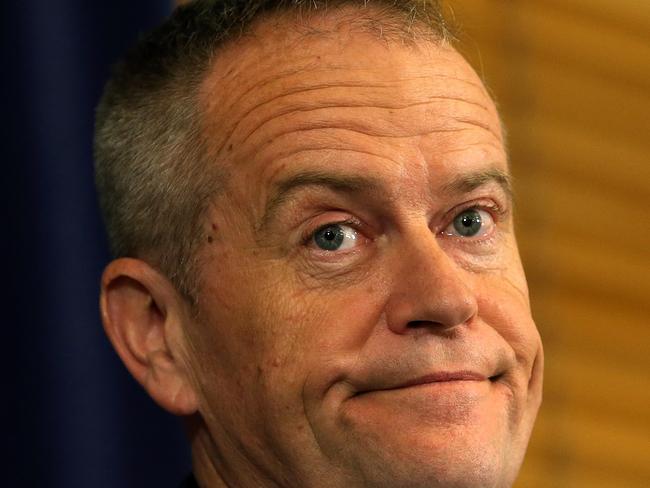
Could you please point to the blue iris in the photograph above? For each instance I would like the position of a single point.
(329, 238)
(468, 223)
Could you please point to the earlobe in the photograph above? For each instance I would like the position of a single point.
(143, 317)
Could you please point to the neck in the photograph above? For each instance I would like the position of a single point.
(222, 465)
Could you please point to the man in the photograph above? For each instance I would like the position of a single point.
(311, 209)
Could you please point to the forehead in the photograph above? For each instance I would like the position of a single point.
(281, 99)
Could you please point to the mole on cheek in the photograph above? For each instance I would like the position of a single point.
(214, 229)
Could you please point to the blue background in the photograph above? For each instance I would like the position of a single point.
(73, 417)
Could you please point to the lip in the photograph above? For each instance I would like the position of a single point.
(439, 378)
(444, 377)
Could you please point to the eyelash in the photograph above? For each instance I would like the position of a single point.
(497, 212)
(309, 235)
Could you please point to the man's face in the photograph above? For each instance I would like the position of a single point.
(365, 317)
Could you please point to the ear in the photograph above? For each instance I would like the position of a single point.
(144, 316)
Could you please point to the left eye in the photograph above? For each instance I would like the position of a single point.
(335, 237)
(470, 223)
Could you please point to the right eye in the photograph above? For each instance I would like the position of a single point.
(335, 237)
(473, 222)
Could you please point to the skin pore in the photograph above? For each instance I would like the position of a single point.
(364, 316)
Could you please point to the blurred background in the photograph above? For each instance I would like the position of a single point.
(572, 79)
(73, 416)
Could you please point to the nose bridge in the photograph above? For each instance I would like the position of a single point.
(429, 289)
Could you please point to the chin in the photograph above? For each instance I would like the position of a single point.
(435, 464)
(481, 451)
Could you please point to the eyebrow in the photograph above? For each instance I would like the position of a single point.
(337, 183)
(466, 183)
(346, 184)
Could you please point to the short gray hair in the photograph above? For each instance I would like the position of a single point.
(151, 169)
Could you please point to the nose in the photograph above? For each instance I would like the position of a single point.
(429, 289)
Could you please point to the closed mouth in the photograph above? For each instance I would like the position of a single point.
(445, 377)
(442, 378)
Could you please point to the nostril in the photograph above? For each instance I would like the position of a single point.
(419, 324)
(429, 327)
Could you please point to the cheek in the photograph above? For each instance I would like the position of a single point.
(235, 325)
(503, 306)
(317, 334)
(274, 318)
(315, 326)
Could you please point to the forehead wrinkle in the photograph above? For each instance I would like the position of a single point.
(248, 111)
(394, 125)
(348, 83)
(487, 141)
(328, 146)
(491, 144)
(220, 85)
(210, 85)
(482, 125)
(290, 110)
(337, 84)
(299, 90)
(359, 131)
(255, 152)
(338, 150)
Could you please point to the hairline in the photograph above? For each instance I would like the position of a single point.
(182, 267)
(409, 33)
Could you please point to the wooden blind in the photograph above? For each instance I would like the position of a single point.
(572, 79)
